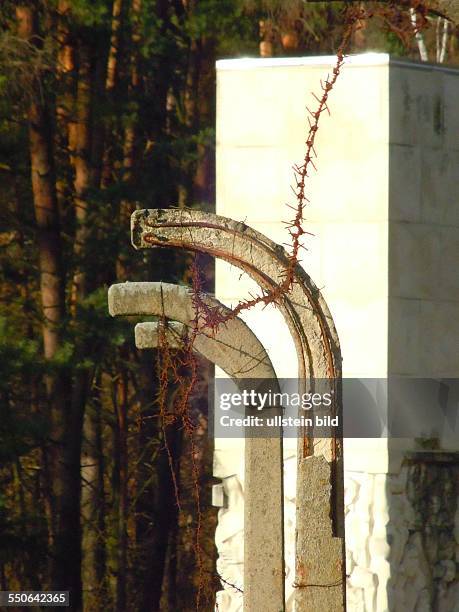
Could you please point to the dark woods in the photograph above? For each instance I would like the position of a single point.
(105, 105)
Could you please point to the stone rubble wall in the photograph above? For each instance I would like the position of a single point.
(402, 538)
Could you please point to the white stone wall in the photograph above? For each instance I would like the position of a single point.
(384, 212)
(402, 539)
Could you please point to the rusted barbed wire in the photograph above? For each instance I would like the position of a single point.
(181, 369)
(212, 317)
(183, 365)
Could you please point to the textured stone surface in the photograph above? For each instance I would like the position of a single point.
(316, 342)
(236, 350)
(150, 334)
(412, 539)
(234, 344)
(321, 587)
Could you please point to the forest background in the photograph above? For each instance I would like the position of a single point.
(105, 106)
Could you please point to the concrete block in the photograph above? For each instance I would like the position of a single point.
(448, 273)
(244, 177)
(301, 76)
(404, 337)
(417, 108)
(415, 261)
(358, 251)
(393, 134)
(404, 183)
(256, 123)
(439, 340)
(370, 319)
(440, 186)
(362, 172)
(451, 93)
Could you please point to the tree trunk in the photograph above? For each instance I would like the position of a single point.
(67, 556)
(130, 144)
(82, 170)
(112, 79)
(65, 107)
(93, 507)
(52, 294)
(45, 204)
(121, 498)
(165, 520)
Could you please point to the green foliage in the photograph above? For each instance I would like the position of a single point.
(91, 13)
(18, 355)
(20, 362)
(170, 108)
(23, 66)
(228, 21)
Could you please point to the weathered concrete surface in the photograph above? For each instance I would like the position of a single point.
(149, 335)
(321, 585)
(234, 345)
(318, 352)
(237, 351)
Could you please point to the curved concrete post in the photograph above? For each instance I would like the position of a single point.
(234, 347)
(320, 565)
(239, 353)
